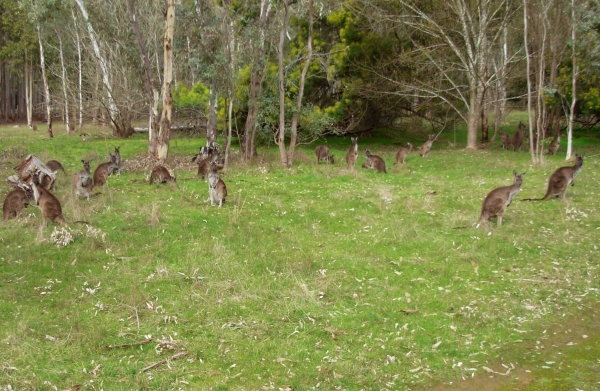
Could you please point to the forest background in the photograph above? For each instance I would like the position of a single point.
(290, 71)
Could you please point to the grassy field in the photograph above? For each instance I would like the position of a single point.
(310, 278)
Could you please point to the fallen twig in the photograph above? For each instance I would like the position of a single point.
(126, 345)
(409, 311)
(173, 357)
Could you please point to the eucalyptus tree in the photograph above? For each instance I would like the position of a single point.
(164, 133)
(453, 41)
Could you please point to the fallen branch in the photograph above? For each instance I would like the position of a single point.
(126, 345)
(173, 357)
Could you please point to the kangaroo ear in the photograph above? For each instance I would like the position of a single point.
(82, 161)
(523, 174)
(515, 172)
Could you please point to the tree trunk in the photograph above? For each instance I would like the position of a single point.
(211, 125)
(149, 83)
(281, 141)
(473, 114)
(573, 84)
(29, 90)
(164, 133)
(528, 72)
(113, 111)
(64, 82)
(79, 73)
(45, 81)
(296, 116)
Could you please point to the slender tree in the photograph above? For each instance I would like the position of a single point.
(164, 133)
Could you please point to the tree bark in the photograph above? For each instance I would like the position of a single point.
(45, 81)
(79, 73)
(149, 83)
(164, 133)
(573, 84)
(528, 71)
(211, 125)
(64, 82)
(29, 90)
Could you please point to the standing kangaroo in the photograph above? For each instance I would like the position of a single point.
(560, 180)
(82, 182)
(352, 154)
(54, 165)
(424, 150)
(116, 168)
(375, 162)
(496, 202)
(47, 202)
(14, 202)
(161, 175)
(103, 170)
(554, 144)
(505, 140)
(216, 187)
(402, 153)
(204, 164)
(517, 139)
(322, 152)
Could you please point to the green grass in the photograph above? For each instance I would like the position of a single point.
(301, 279)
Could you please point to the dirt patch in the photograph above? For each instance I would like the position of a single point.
(562, 355)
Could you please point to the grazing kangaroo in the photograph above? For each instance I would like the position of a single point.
(161, 175)
(496, 202)
(560, 180)
(424, 150)
(116, 168)
(322, 152)
(375, 162)
(47, 202)
(55, 165)
(216, 187)
(82, 182)
(554, 144)
(14, 202)
(402, 153)
(352, 154)
(103, 170)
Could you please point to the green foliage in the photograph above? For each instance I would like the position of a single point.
(18, 31)
(196, 98)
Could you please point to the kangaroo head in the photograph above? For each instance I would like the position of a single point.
(86, 165)
(330, 158)
(518, 178)
(354, 140)
(367, 153)
(409, 145)
(579, 159)
(113, 158)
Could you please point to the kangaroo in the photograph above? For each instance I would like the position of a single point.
(55, 165)
(82, 182)
(424, 150)
(103, 170)
(517, 139)
(204, 164)
(560, 180)
(554, 144)
(116, 168)
(402, 153)
(352, 154)
(375, 162)
(496, 202)
(322, 152)
(367, 164)
(161, 175)
(505, 140)
(47, 202)
(216, 187)
(14, 202)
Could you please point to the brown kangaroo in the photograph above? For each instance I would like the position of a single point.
(14, 202)
(402, 153)
(54, 165)
(322, 152)
(366, 164)
(376, 162)
(82, 182)
(161, 175)
(554, 144)
(424, 150)
(103, 170)
(505, 140)
(204, 164)
(216, 187)
(560, 180)
(352, 154)
(116, 168)
(47, 202)
(517, 139)
(496, 202)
